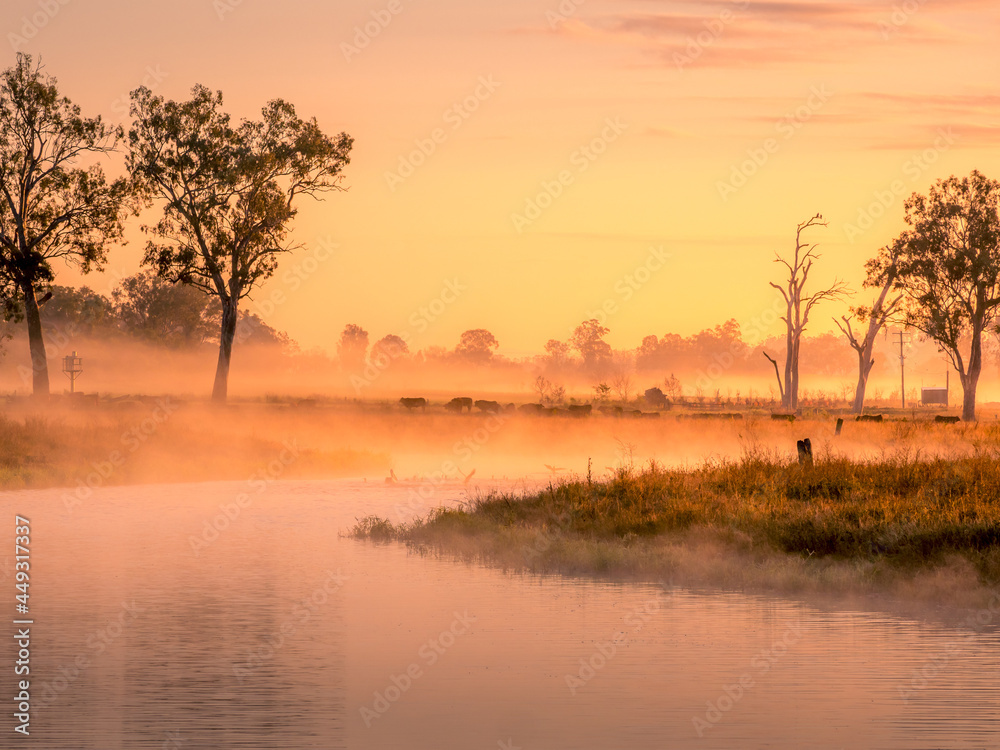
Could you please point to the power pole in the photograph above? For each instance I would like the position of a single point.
(902, 373)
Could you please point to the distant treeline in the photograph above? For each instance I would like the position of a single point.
(704, 358)
(148, 308)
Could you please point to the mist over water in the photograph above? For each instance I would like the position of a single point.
(276, 631)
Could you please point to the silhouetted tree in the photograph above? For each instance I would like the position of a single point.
(558, 354)
(477, 346)
(352, 349)
(672, 387)
(588, 340)
(228, 193)
(88, 312)
(164, 312)
(390, 347)
(50, 208)
(252, 329)
(948, 268)
(799, 305)
(881, 271)
(621, 382)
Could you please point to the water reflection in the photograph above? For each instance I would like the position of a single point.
(274, 632)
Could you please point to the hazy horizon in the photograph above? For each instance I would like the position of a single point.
(838, 104)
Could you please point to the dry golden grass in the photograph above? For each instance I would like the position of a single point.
(759, 521)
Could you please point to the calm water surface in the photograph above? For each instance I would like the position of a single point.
(153, 629)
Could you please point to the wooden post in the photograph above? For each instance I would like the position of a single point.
(805, 453)
(840, 425)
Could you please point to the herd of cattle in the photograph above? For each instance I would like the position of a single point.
(460, 405)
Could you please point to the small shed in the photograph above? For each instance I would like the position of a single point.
(934, 396)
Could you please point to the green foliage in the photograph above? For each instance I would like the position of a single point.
(227, 192)
(155, 309)
(374, 528)
(948, 267)
(52, 208)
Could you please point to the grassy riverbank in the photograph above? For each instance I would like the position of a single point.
(758, 522)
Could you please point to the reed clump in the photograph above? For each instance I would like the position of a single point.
(881, 516)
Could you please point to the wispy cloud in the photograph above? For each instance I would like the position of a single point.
(755, 34)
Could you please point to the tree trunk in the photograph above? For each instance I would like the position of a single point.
(786, 401)
(969, 398)
(865, 363)
(230, 312)
(970, 381)
(793, 388)
(36, 343)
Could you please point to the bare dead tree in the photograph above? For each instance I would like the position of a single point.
(777, 374)
(876, 316)
(622, 385)
(799, 305)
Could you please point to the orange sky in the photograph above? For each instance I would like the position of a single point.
(616, 107)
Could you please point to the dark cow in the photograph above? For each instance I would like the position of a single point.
(941, 419)
(580, 410)
(458, 404)
(414, 403)
(490, 407)
(868, 418)
(783, 417)
(509, 408)
(650, 415)
(611, 411)
(531, 408)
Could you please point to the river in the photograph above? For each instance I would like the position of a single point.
(237, 615)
